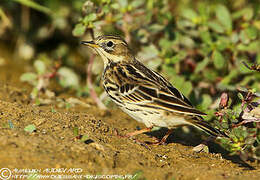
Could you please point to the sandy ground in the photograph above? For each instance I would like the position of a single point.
(53, 144)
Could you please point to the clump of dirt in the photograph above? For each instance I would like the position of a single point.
(54, 144)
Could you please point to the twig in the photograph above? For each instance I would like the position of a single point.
(25, 18)
(54, 71)
(43, 80)
(93, 93)
(127, 20)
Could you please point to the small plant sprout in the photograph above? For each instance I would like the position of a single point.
(40, 78)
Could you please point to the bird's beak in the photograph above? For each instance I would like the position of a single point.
(90, 44)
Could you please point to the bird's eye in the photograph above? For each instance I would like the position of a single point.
(110, 44)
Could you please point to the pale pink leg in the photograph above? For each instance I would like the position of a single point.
(139, 132)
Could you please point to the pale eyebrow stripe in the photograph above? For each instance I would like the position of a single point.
(113, 37)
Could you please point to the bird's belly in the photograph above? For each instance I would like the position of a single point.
(154, 117)
(148, 116)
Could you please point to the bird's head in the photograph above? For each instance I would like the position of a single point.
(111, 48)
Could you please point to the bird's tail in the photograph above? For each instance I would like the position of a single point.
(205, 126)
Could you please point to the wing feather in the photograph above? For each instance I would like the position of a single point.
(145, 87)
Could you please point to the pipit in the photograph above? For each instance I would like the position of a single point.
(143, 93)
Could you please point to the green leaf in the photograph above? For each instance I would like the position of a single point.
(84, 138)
(123, 3)
(165, 44)
(178, 84)
(148, 52)
(39, 66)
(210, 75)
(34, 94)
(251, 32)
(247, 14)
(79, 30)
(75, 131)
(224, 17)
(137, 3)
(222, 43)
(155, 28)
(201, 65)
(206, 37)
(243, 37)
(181, 83)
(53, 110)
(234, 37)
(187, 88)
(68, 78)
(187, 41)
(189, 14)
(206, 101)
(28, 77)
(227, 79)
(30, 128)
(240, 96)
(215, 26)
(252, 47)
(154, 64)
(177, 58)
(218, 59)
(89, 18)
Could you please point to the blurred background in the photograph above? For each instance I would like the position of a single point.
(204, 48)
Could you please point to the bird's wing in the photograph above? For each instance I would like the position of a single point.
(147, 88)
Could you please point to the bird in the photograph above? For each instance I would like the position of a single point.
(142, 93)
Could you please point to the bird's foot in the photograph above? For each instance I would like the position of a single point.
(163, 140)
(132, 134)
(157, 142)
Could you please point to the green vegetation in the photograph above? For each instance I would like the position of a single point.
(205, 48)
(30, 128)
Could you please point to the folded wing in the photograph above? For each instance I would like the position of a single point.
(149, 89)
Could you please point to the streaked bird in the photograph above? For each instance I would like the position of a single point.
(143, 93)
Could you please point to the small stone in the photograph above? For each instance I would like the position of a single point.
(40, 121)
(98, 146)
(201, 148)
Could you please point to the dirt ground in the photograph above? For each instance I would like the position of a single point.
(54, 145)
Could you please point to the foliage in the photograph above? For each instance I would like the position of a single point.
(202, 47)
(30, 128)
(198, 45)
(241, 123)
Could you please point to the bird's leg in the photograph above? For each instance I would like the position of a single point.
(163, 140)
(141, 131)
(129, 135)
